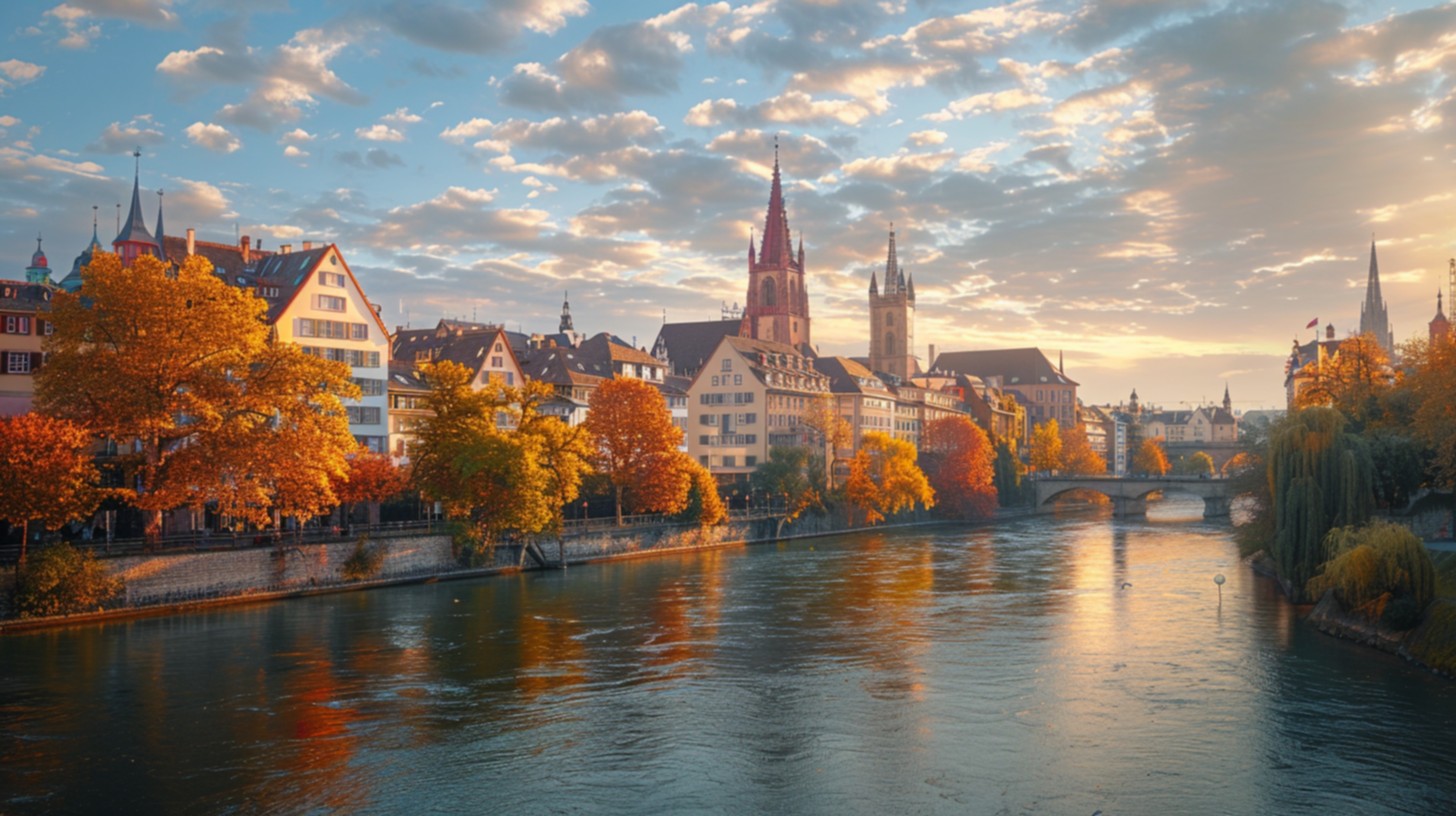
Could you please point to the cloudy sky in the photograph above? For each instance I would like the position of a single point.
(1167, 191)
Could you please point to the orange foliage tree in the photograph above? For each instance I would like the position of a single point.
(1431, 380)
(46, 472)
(371, 478)
(636, 447)
(959, 460)
(1046, 447)
(183, 365)
(1078, 458)
(1150, 458)
(884, 478)
(1352, 381)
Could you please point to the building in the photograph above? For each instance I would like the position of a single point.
(862, 399)
(1440, 326)
(24, 310)
(892, 320)
(483, 349)
(749, 396)
(407, 393)
(683, 348)
(1305, 362)
(1374, 320)
(1044, 390)
(778, 299)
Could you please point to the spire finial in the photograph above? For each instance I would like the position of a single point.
(95, 211)
(137, 154)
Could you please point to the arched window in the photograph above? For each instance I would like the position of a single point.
(889, 342)
(769, 296)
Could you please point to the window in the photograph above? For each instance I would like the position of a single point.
(17, 324)
(331, 303)
(750, 461)
(769, 296)
(17, 362)
(369, 386)
(331, 279)
(727, 363)
(358, 331)
(738, 379)
(730, 461)
(47, 328)
(498, 348)
(362, 414)
(712, 399)
(332, 329)
(707, 419)
(497, 362)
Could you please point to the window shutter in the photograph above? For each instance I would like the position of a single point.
(35, 361)
(4, 362)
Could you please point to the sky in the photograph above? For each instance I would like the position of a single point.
(1166, 193)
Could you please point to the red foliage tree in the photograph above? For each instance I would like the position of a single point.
(960, 461)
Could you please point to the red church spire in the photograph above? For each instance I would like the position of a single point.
(777, 246)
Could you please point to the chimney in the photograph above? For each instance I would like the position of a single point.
(307, 245)
(191, 241)
(285, 248)
(245, 244)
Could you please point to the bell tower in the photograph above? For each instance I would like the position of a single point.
(778, 300)
(892, 319)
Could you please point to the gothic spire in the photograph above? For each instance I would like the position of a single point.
(135, 229)
(874, 284)
(161, 246)
(776, 246)
(910, 288)
(566, 325)
(1374, 319)
(894, 280)
(1228, 404)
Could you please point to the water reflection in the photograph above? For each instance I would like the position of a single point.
(1056, 666)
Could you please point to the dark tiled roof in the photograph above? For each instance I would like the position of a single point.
(404, 377)
(450, 340)
(1018, 368)
(846, 376)
(135, 228)
(564, 366)
(688, 345)
(20, 296)
(607, 348)
(286, 273)
(778, 365)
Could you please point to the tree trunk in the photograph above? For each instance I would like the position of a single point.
(619, 505)
(24, 541)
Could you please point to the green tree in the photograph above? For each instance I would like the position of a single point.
(884, 478)
(787, 474)
(1320, 477)
(1197, 464)
(46, 473)
(1007, 474)
(61, 580)
(183, 366)
(1377, 569)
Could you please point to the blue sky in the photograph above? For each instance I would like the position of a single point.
(1165, 191)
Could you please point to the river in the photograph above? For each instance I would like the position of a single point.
(1056, 665)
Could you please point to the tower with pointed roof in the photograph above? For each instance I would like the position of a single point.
(892, 319)
(778, 300)
(39, 270)
(1440, 326)
(1228, 404)
(566, 315)
(134, 241)
(1373, 318)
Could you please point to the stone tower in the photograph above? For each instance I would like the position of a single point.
(778, 300)
(892, 320)
(1373, 318)
(1440, 325)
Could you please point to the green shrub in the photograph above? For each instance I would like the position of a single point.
(1373, 566)
(60, 580)
(365, 562)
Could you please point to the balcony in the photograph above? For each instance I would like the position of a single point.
(724, 440)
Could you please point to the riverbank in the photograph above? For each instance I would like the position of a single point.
(186, 582)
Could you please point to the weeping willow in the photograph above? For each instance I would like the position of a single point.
(1320, 477)
(1371, 565)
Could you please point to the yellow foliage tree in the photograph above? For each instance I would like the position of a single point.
(703, 498)
(1431, 381)
(565, 451)
(884, 478)
(821, 415)
(1352, 381)
(183, 367)
(1078, 458)
(1046, 447)
(1150, 458)
(46, 473)
(636, 447)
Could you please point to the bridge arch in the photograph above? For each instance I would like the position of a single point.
(1129, 495)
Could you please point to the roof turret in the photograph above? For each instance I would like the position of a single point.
(161, 244)
(135, 229)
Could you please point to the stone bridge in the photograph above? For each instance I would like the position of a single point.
(1130, 494)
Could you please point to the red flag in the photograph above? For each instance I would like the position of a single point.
(1312, 323)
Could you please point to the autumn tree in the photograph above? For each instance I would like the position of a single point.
(565, 451)
(821, 415)
(370, 478)
(491, 478)
(703, 504)
(1151, 459)
(1431, 381)
(1046, 447)
(1008, 471)
(885, 479)
(1078, 458)
(1353, 381)
(635, 444)
(182, 366)
(959, 461)
(46, 473)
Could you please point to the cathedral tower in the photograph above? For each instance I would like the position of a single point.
(778, 300)
(1373, 318)
(892, 320)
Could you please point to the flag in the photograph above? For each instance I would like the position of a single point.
(1311, 324)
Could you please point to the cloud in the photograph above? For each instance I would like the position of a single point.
(150, 12)
(927, 138)
(379, 133)
(372, 159)
(78, 33)
(14, 72)
(294, 152)
(402, 116)
(214, 137)
(464, 131)
(486, 28)
(574, 136)
(790, 107)
(613, 62)
(286, 81)
(296, 136)
(989, 102)
(117, 138)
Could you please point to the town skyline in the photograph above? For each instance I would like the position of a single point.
(1099, 180)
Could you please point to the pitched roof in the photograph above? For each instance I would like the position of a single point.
(135, 228)
(606, 347)
(23, 296)
(777, 365)
(849, 377)
(450, 340)
(404, 377)
(564, 366)
(1016, 367)
(688, 345)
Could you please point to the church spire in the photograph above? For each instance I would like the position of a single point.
(1374, 319)
(565, 314)
(1228, 404)
(894, 280)
(133, 239)
(777, 245)
(161, 245)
